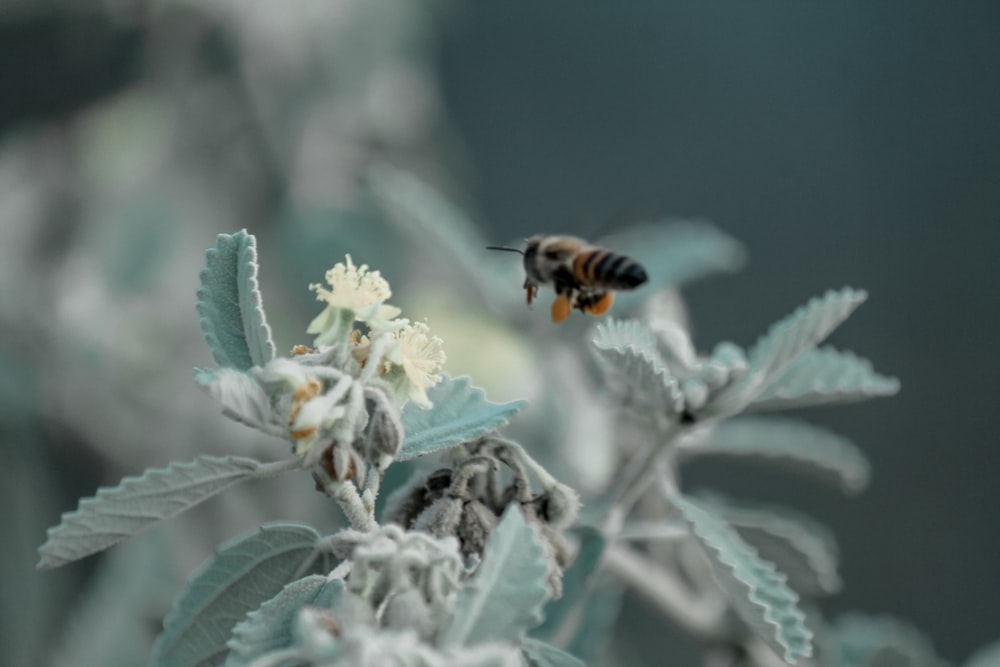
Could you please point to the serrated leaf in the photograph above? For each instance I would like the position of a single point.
(784, 342)
(505, 597)
(797, 443)
(676, 252)
(800, 547)
(757, 591)
(633, 367)
(241, 576)
(575, 581)
(117, 513)
(460, 413)
(542, 654)
(230, 309)
(269, 628)
(824, 376)
(863, 640)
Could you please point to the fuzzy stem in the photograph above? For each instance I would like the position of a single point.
(346, 495)
(635, 479)
(541, 474)
(699, 616)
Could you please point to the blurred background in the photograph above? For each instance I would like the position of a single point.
(842, 143)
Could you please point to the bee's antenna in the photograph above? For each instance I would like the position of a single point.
(500, 247)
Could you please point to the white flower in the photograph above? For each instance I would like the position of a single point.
(421, 357)
(355, 289)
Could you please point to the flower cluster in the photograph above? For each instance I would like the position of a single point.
(339, 403)
(406, 356)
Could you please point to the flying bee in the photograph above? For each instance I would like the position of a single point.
(583, 275)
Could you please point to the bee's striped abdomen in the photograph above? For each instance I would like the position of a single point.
(602, 268)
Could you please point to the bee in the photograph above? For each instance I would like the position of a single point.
(584, 276)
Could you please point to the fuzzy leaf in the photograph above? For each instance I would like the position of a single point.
(675, 252)
(576, 580)
(241, 397)
(505, 597)
(241, 576)
(634, 368)
(230, 309)
(460, 413)
(542, 654)
(784, 342)
(270, 627)
(756, 589)
(824, 376)
(117, 513)
(862, 640)
(803, 549)
(802, 445)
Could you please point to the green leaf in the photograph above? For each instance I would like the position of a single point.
(241, 576)
(269, 628)
(576, 580)
(832, 457)
(756, 589)
(825, 376)
(987, 656)
(803, 549)
(117, 513)
(634, 368)
(505, 597)
(460, 413)
(862, 640)
(541, 654)
(784, 342)
(230, 309)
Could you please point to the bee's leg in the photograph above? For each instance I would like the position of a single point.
(599, 303)
(531, 290)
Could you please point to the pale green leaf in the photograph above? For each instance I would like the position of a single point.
(460, 413)
(576, 582)
(791, 442)
(824, 376)
(803, 549)
(242, 398)
(758, 592)
(505, 597)
(543, 654)
(863, 640)
(634, 369)
(117, 513)
(987, 656)
(230, 309)
(269, 628)
(784, 342)
(241, 576)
